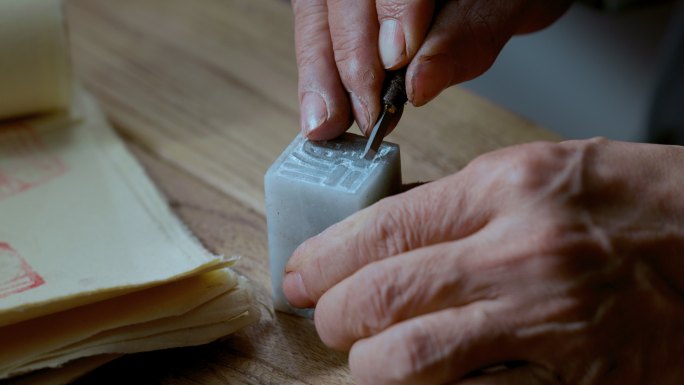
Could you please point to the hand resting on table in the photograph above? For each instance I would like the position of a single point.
(565, 260)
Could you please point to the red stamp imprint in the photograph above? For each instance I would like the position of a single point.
(16, 275)
(25, 161)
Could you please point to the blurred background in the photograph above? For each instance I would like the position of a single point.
(611, 68)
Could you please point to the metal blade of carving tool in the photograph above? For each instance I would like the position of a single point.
(376, 136)
(393, 100)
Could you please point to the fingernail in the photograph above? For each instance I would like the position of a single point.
(361, 113)
(294, 289)
(429, 79)
(314, 112)
(392, 43)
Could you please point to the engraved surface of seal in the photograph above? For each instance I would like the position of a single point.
(25, 162)
(16, 275)
(335, 164)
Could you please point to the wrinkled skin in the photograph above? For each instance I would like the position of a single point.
(344, 46)
(564, 259)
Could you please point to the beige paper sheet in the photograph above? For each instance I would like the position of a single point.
(79, 220)
(76, 211)
(226, 306)
(233, 310)
(32, 339)
(185, 337)
(92, 260)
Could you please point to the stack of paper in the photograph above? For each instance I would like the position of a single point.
(93, 264)
(92, 261)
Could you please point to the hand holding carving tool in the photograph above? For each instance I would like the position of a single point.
(393, 100)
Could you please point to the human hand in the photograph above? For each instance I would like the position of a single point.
(343, 48)
(564, 259)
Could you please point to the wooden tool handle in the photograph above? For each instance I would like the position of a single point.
(394, 89)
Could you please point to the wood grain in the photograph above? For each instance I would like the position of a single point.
(205, 92)
(211, 86)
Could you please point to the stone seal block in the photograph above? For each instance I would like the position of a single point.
(313, 185)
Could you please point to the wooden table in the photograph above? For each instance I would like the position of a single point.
(205, 93)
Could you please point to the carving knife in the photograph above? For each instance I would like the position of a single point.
(393, 100)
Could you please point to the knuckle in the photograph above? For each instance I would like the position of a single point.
(392, 9)
(354, 73)
(312, 269)
(409, 353)
(382, 298)
(601, 177)
(307, 9)
(394, 231)
(345, 49)
(362, 307)
(311, 31)
(327, 321)
(355, 67)
(309, 58)
(549, 175)
(413, 354)
(479, 24)
(532, 167)
(486, 37)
